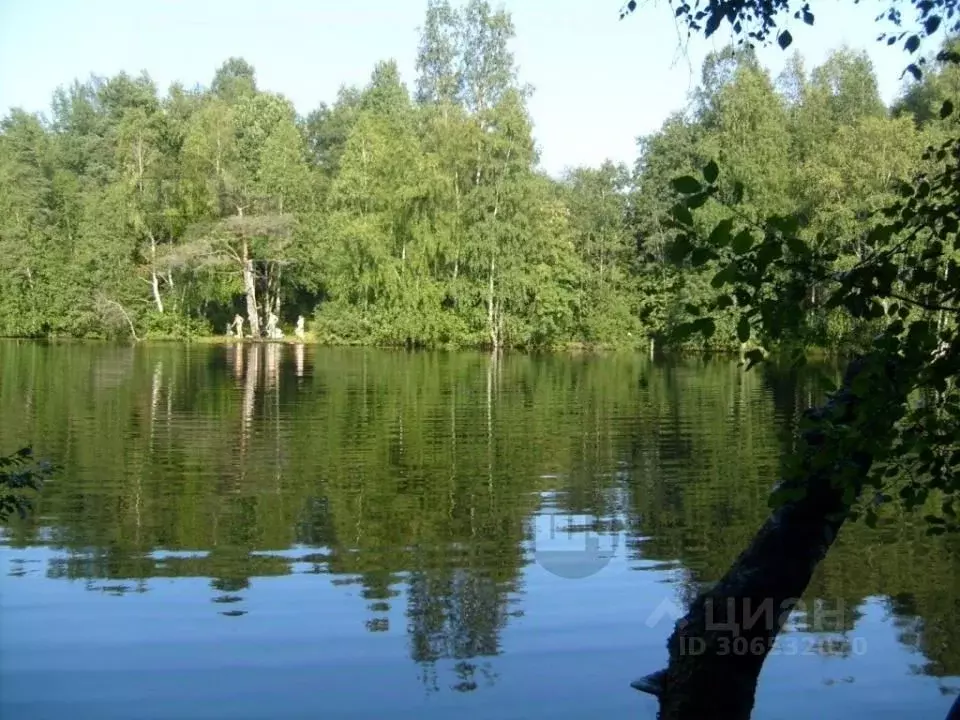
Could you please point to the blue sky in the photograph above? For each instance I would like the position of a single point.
(599, 82)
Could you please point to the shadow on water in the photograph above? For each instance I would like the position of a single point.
(438, 498)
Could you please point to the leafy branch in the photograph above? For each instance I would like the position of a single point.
(19, 477)
(764, 271)
(756, 21)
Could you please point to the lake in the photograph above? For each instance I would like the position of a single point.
(275, 531)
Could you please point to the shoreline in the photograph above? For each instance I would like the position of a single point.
(572, 348)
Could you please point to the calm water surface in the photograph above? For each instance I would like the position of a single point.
(283, 532)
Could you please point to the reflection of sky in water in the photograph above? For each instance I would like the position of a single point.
(572, 533)
(413, 482)
(555, 530)
(301, 648)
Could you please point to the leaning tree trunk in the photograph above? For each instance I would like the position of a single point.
(718, 649)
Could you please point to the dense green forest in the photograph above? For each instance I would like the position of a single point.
(421, 218)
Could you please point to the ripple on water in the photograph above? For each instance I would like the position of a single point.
(268, 532)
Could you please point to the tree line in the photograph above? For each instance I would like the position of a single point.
(421, 218)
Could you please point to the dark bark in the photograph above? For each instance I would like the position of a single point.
(718, 649)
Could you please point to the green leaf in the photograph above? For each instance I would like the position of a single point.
(807, 16)
(678, 250)
(946, 110)
(686, 184)
(767, 253)
(706, 326)
(720, 236)
(931, 24)
(711, 172)
(682, 331)
(701, 256)
(724, 301)
(784, 39)
(742, 242)
(786, 225)
(743, 329)
(913, 42)
(880, 234)
(726, 275)
(753, 357)
(692, 309)
(713, 22)
(681, 213)
(796, 246)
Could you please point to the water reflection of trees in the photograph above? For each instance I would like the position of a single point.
(702, 490)
(414, 477)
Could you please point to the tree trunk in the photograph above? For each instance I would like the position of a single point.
(155, 287)
(718, 649)
(250, 288)
(126, 316)
(276, 292)
(154, 279)
(456, 231)
(491, 311)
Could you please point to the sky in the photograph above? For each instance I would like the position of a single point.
(599, 82)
